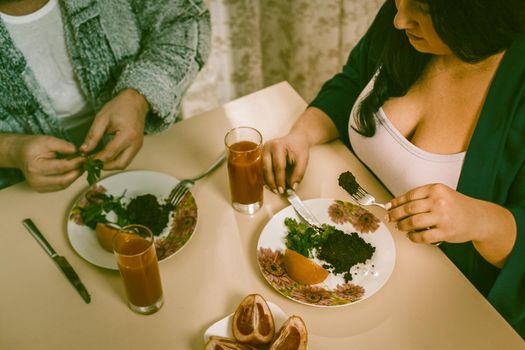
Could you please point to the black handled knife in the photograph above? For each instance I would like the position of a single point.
(61, 261)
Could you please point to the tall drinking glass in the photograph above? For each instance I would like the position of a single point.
(137, 262)
(244, 146)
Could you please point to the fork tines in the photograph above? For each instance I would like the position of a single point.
(360, 193)
(177, 194)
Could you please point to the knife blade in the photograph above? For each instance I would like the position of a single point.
(301, 208)
(61, 261)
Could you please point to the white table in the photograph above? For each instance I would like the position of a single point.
(426, 304)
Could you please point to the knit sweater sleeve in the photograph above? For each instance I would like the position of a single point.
(175, 44)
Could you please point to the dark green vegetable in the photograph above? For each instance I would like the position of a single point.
(147, 211)
(99, 205)
(144, 210)
(303, 238)
(93, 167)
(339, 250)
(347, 181)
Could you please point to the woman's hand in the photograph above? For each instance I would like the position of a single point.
(285, 158)
(434, 213)
(123, 117)
(290, 151)
(37, 157)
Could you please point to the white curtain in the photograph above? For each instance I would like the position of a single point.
(256, 43)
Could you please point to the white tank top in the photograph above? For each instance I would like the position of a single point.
(40, 37)
(399, 164)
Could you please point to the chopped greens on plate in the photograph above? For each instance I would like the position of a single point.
(338, 250)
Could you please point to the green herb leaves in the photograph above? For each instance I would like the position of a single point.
(93, 167)
(339, 250)
(100, 205)
(303, 238)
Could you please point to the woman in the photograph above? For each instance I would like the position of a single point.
(75, 73)
(432, 100)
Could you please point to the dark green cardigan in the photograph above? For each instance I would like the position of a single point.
(493, 170)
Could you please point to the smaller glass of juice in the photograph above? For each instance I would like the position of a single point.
(137, 262)
(244, 146)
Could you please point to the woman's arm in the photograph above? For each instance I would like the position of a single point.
(433, 213)
(496, 233)
(311, 128)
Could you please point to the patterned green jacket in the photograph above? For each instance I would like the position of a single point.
(156, 47)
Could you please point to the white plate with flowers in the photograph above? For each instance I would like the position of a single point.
(360, 282)
(123, 187)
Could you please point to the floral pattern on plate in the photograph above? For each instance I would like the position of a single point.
(367, 279)
(180, 227)
(272, 266)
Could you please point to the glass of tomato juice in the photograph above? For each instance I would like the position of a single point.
(134, 249)
(244, 147)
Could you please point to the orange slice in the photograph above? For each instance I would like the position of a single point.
(105, 235)
(303, 270)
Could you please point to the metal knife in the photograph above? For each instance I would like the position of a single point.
(301, 208)
(61, 261)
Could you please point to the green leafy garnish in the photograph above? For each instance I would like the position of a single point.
(93, 167)
(100, 204)
(303, 238)
(339, 251)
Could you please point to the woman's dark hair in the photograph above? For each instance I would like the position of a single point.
(472, 29)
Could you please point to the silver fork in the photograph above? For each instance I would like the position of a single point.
(362, 197)
(180, 190)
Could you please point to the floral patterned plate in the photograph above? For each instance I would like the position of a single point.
(367, 278)
(180, 227)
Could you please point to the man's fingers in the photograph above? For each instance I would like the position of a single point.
(121, 160)
(112, 150)
(54, 182)
(53, 167)
(56, 146)
(94, 135)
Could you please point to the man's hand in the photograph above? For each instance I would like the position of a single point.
(123, 117)
(37, 156)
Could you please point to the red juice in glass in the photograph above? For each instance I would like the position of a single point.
(245, 173)
(134, 249)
